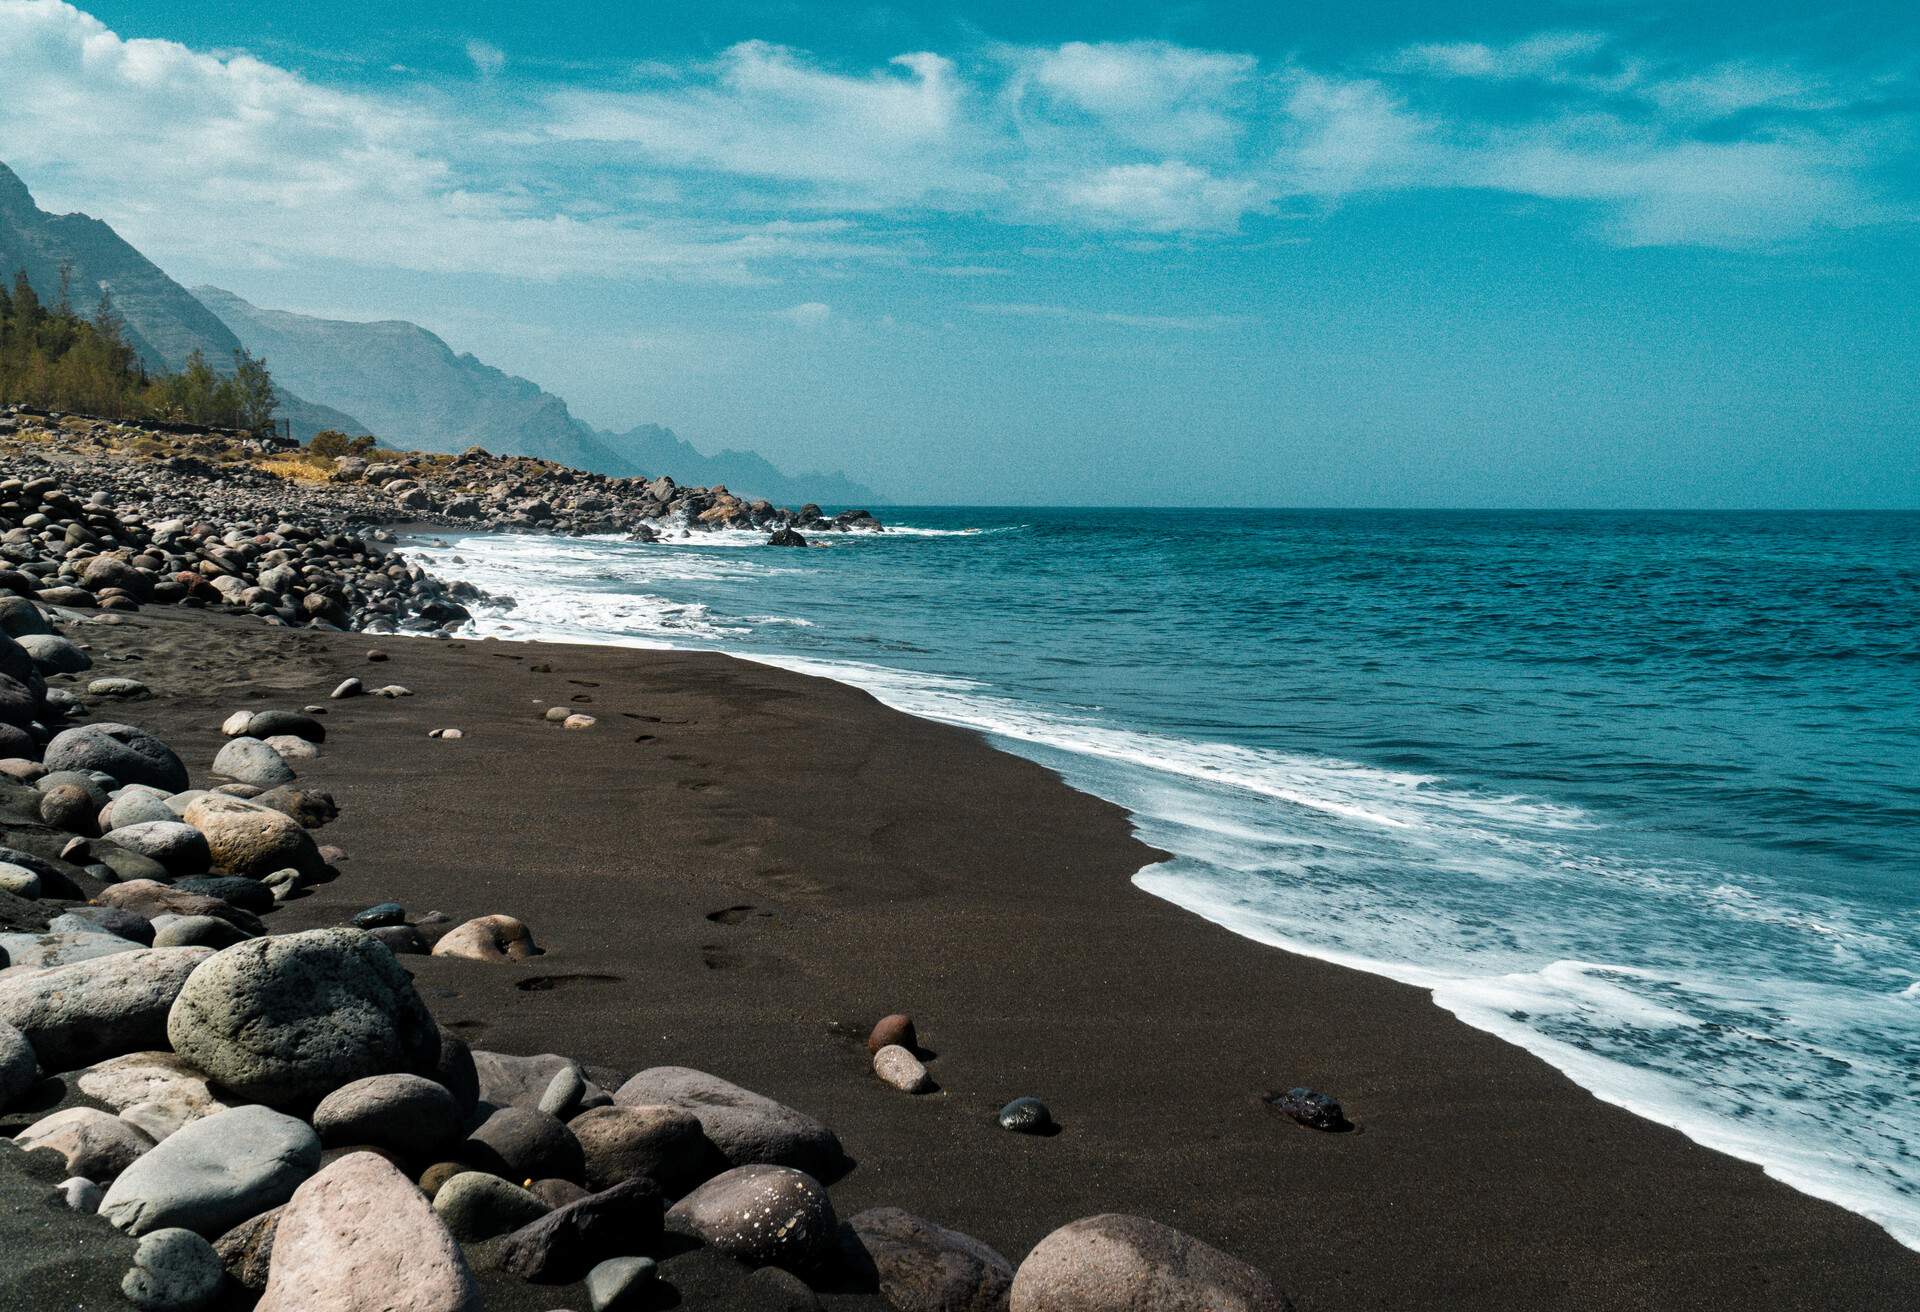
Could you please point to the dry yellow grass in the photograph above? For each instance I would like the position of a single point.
(295, 469)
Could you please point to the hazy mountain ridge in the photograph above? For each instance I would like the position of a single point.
(415, 390)
(164, 322)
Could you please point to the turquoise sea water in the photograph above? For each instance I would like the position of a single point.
(1639, 792)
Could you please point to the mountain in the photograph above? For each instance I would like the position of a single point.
(415, 391)
(164, 323)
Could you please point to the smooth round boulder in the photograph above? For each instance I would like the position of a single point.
(488, 938)
(1116, 1263)
(520, 1143)
(286, 1020)
(70, 807)
(78, 1014)
(19, 617)
(761, 1215)
(922, 1267)
(214, 1173)
(248, 760)
(246, 838)
(130, 755)
(663, 1144)
(18, 880)
(135, 804)
(179, 847)
(359, 1236)
(95, 1144)
(406, 1114)
(195, 931)
(476, 1206)
(748, 1128)
(174, 1270)
(117, 921)
(621, 1283)
(18, 1066)
(285, 724)
(55, 654)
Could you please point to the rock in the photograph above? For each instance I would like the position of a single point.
(246, 838)
(785, 537)
(1115, 1263)
(18, 1066)
(250, 761)
(132, 805)
(70, 807)
(154, 1091)
(235, 890)
(505, 1080)
(894, 1030)
(246, 1251)
(900, 1068)
(437, 1175)
(286, 1020)
(130, 755)
(558, 1193)
(476, 1206)
(578, 720)
(387, 913)
(771, 1289)
(348, 688)
(77, 1014)
(488, 938)
(38, 951)
(1316, 1111)
(663, 1144)
(568, 1241)
(289, 747)
(309, 807)
(555, 714)
(96, 1144)
(1026, 1116)
(746, 1127)
(456, 1073)
(359, 1237)
(153, 899)
(406, 1114)
(401, 940)
(123, 689)
(620, 1283)
(81, 1195)
(54, 654)
(761, 1215)
(211, 1175)
(445, 733)
(115, 921)
(286, 724)
(564, 1092)
(18, 880)
(921, 1267)
(195, 931)
(522, 1144)
(174, 1270)
(179, 847)
(237, 725)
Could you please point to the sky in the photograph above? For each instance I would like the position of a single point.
(1543, 254)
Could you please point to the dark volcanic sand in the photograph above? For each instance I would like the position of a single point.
(740, 869)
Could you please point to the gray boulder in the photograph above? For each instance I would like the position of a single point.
(359, 1236)
(215, 1173)
(26, 952)
(173, 1271)
(18, 1066)
(287, 1020)
(761, 1215)
(663, 1144)
(405, 1114)
(921, 1267)
(130, 755)
(54, 654)
(521, 1143)
(78, 1014)
(475, 1206)
(748, 1128)
(132, 805)
(179, 847)
(117, 922)
(506, 1080)
(173, 931)
(250, 761)
(1115, 1263)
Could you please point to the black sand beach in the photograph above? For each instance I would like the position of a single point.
(740, 869)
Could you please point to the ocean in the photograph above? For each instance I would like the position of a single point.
(1639, 792)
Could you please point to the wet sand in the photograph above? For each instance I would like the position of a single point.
(740, 869)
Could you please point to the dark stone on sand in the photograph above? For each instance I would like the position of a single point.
(454, 1071)
(1316, 1111)
(236, 890)
(1026, 1116)
(271, 724)
(118, 921)
(922, 1267)
(763, 1216)
(894, 1030)
(621, 1283)
(521, 1143)
(785, 537)
(131, 755)
(195, 932)
(569, 1241)
(387, 913)
(401, 940)
(310, 807)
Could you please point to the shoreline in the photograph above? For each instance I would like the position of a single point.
(1478, 1171)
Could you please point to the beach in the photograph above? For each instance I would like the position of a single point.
(740, 869)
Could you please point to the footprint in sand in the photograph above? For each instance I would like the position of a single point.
(734, 915)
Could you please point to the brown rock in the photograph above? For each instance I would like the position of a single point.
(650, 1142)
(895, 1030)
(921, 1267)
(488, 938)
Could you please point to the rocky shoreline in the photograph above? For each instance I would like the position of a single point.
(211, 1114)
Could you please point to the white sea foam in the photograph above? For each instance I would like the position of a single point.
(1631, 975)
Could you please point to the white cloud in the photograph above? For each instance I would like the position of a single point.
(1171, 196)
(1148, 93)
(488, 59)
(807, 314)
(1544, 55)
(1186, 323)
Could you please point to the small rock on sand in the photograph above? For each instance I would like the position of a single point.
(348, 688)
(896, 1029)
(173, 1271)
(901, 1069)
(488, 938)
(1026, 1116)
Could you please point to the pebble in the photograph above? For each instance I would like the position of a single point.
(385, 913)
(563, 1093)
(488, 938)
(445, 733)
(81, 1195)
(174, 1270)
(125, 689)
(579, 721)
(1316, 1111)
(1026, 1116)
(620, 1283)
(348, 688)
(894, 1030)
(901, 1069)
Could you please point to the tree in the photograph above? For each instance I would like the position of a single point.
(254, 388)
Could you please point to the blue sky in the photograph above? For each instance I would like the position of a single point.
(1393, 254)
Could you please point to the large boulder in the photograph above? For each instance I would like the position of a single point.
(26, 952)
(153, 899)
(761, 1215)
(19, 1068)
(476, 1205)
(54, 654)
(155, 1091)
(748, 1128)
(507, 1080)
(75, 1015)
(1116, 1263)
(521, 1143)
(135, 804)
(133, 756)
(245, 838)
(96, 1144)
(215, 1173)
(405, 1114)
(566, 1242)
(358, 1237)
(287, 1020)
(663, 1144)
(922, 1267)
